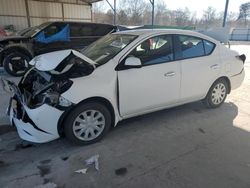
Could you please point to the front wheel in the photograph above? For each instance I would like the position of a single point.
(87, 123)
(16, 64)
(217, 94)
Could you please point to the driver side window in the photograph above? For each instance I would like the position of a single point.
(51, 30)
(155, 50)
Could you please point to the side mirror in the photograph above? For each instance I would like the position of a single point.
(133, 62)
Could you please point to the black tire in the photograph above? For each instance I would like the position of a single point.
(81, 108)
(18, 67)
(210, 101)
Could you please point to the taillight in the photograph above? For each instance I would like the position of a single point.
(242, 57)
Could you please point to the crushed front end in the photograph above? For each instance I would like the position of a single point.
(37, 104)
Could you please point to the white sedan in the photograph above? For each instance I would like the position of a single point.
(122, 75)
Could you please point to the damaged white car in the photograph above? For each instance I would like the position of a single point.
(125, 74)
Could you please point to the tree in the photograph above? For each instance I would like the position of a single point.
(209, 16)
(162, 14)
(123, 18)
(139, 12)
(134, 9)
(244, 11)
(182, 16)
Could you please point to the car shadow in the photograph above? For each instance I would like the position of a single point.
(228, 111)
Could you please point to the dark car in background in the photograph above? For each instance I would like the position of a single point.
(17, 50)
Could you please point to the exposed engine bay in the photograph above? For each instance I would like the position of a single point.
(39, 87)
(45, 87)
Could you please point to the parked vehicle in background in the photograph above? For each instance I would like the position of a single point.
(23, 31)
(18, 50)
(10, 29)
(122, 75)
(2, 33)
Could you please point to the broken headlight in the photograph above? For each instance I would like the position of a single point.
(51, 94)
(64, 102)
(40, 88)
(54, 99)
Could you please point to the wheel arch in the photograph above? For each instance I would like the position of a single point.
(224, 78)
(19, 49)
(228, 82)
(101, 100)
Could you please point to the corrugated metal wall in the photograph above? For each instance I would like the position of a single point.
(13, 12)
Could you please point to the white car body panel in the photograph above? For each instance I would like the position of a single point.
(207, 68)
(101, 83)
(137, 87)
(134, 91)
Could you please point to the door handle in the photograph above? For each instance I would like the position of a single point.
(169, 74)
(215, 66)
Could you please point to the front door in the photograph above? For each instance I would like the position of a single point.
(156, 84)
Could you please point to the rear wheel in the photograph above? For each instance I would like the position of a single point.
(87, 123)
(16, 63)
(217, 94)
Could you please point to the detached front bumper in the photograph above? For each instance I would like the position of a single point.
(35, 125)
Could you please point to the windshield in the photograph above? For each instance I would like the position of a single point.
(107, 47)
(33, 31)
(23, 32)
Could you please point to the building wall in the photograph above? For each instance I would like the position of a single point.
(14, 12)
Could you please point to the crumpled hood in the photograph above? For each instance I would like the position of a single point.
(49, 61)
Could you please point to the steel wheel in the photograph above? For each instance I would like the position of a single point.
(218, 93)
(89, 125)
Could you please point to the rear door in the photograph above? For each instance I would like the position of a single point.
(200, 65)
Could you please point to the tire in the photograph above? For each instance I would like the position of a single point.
(76, 128)
(217, 94)
(16, 67)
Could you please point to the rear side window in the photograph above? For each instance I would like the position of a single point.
(87, 30)
(101, 30)
(209, 47)
(81, 30)
(84, 30)
(189, 47)
(75, 30)
(53, 29)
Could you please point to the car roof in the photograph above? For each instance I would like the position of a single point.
(75, 22)
(148, 32)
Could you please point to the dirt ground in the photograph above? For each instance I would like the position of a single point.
(186, 146)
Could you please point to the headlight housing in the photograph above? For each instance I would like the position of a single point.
(64, 102)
